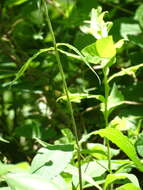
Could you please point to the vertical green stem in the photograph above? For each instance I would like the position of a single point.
(66, 91)
(106, 88)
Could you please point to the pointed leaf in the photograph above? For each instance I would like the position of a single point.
(113, 177)
(128, 71)
(115, 99)
(122, 142)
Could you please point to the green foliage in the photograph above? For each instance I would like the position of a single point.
(55, 96)
(128, 186)
(122, 142)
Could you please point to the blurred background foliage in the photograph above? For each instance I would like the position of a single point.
(29, 108)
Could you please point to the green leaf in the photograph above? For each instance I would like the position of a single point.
(115, 99)
(124, 123)
(3, 140)
(128, 186)
(82, 57)
(29, 61)
(25, 181)
(105, 47)
(5, 168)
(99, 151)
(100, 52)
(129, 71)
(77, 97)
(113, 177)
(52, 160)
(137, 40)
(11, 3)
(87, 173)
(122, 142)
(139, 144)
(30, 130)
(139, 15)
(91, 54)
(128, 29)
(5, 188)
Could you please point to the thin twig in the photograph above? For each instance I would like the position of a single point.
(66, 91)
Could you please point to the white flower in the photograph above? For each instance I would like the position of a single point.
(96, 26)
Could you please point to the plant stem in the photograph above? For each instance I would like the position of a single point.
(106, 115)
(66, 92)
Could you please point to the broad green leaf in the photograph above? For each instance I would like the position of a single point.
(25, 181)
(99, 151)
(113, 177)
(105, 47)
(91, 54)
(128, 186)
(52, 160)
(129, 71)
(100, 52)
(122, 142)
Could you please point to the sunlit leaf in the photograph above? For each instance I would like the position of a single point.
(52, 160)
(99, 151)
(11, 3)
(113, 177)
(3, 140)
(77, 97)
(128, 71)
(128, 186)
(139, 14)
(115, 99)
(124, 123)
(87, 174)
(105, 47)
(122, 142)
(25, 181)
